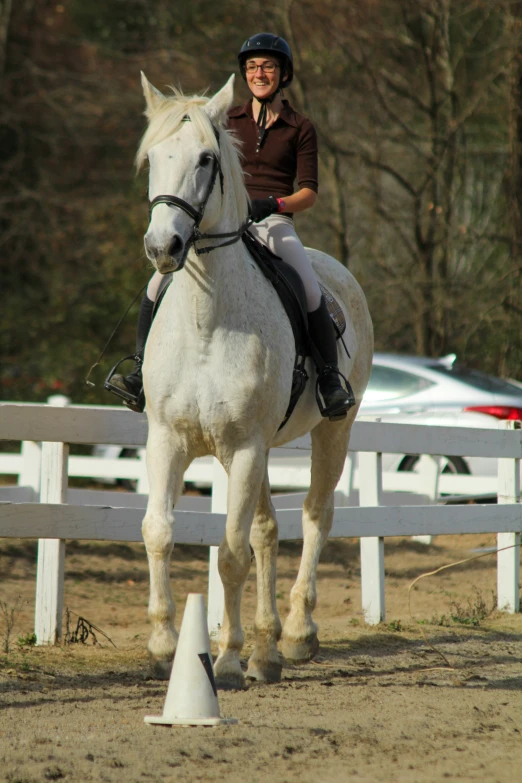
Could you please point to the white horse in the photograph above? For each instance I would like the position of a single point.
(217, 375)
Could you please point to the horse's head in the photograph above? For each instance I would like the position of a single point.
(183, 148)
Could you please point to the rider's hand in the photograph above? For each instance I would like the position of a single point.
(261, 208)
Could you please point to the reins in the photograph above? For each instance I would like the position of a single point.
(197, 214)
(109, 341)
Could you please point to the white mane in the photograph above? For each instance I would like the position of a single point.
(165, 119)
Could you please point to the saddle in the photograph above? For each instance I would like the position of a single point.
(290, 289)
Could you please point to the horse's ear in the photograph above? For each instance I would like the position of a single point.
(218, 106)
(153, 97)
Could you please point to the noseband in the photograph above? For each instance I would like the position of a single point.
(197, 215)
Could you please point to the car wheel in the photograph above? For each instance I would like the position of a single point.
(455, 465)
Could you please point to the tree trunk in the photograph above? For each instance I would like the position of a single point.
(513, 302)
(5, 17)
(514, 173)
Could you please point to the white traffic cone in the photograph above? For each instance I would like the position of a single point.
(192, 696)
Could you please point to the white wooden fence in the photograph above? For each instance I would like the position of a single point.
(286, 471)
(63, 514)
(427, 483)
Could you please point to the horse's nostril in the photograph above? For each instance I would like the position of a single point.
(176, 246)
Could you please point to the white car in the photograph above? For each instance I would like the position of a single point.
(417, 384)
(459, 479)
(443, 392)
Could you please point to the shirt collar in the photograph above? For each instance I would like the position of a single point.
(287, 114)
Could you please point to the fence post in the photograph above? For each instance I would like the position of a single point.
(508, 562)
(372, 548)
(216, 595)
(51, 552)
(430, 476)
(31, 466)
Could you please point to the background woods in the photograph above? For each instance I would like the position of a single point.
(418, 109)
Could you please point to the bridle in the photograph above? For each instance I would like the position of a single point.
(197, 214)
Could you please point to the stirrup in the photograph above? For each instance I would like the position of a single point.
(136, 402)
(339, 413)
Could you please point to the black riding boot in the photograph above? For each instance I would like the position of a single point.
(336, 400)
(132, 385)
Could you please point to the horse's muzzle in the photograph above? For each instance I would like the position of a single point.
(169, 259)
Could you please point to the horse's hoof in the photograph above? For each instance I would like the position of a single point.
(269, 671)
(228, 672)
(230, 681)
(160, 669)
(300, 651)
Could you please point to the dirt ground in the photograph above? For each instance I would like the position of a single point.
(378, 704)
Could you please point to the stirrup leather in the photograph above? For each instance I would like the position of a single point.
(136, 402)
(340, 412)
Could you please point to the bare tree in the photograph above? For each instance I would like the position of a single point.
(413, 117)
(417, 107)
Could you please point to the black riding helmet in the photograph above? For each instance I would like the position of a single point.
(270, 44)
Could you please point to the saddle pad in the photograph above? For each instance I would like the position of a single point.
(334, 308)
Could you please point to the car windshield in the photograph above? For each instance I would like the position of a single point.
(477, 379)
(388, 383)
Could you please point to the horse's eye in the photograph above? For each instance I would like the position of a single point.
(205, 159)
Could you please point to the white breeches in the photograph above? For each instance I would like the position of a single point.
(153, 286)
(278, 233)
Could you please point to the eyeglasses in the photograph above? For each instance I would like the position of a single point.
(267, 67)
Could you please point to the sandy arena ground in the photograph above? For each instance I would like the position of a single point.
(378, 704)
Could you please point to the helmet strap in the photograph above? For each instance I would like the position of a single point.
(262, 117)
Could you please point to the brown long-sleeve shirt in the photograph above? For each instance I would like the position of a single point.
(289, 152)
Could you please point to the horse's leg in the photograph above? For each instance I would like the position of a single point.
(329, 447)
(264, 663)
(245, 476)
(165, 466)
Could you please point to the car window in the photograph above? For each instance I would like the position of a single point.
(477, 379)
(388, 383)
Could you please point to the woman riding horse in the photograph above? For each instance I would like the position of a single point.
(279, 146)
(217, 379)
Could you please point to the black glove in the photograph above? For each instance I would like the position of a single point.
(261, 208)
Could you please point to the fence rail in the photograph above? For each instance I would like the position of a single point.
(292, 471)
(62, 513)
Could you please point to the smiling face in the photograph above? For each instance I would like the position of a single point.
(263, 74)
